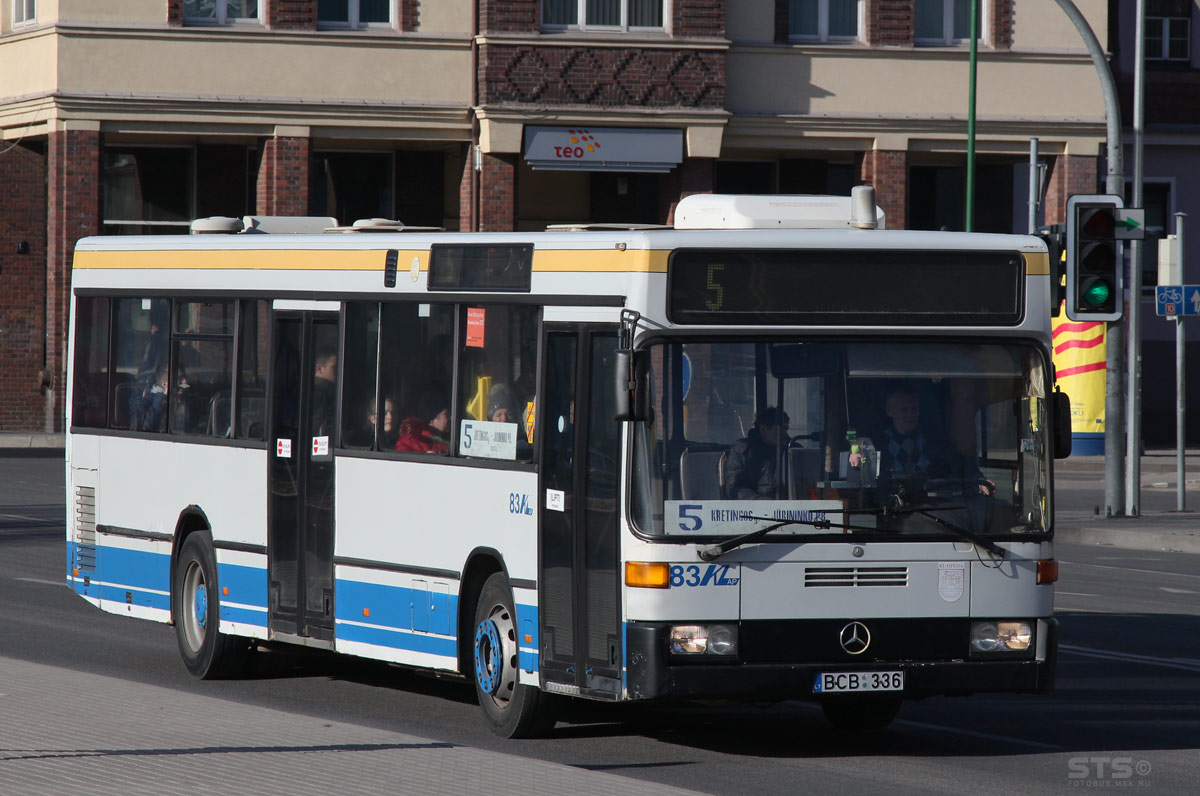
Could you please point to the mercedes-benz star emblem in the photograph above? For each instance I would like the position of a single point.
(855, 638)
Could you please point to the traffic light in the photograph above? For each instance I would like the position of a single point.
(1055, 240)
(1094, 263)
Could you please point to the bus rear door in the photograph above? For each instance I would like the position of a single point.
(300, 472)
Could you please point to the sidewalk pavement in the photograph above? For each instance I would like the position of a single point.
(32, 439)
(69, 731)
(1080, 512)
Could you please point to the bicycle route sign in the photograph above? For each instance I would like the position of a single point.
(1173, 300)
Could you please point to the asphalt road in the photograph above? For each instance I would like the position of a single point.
(1126, 711)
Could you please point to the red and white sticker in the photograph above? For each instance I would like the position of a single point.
(320, 446)
(283, 448)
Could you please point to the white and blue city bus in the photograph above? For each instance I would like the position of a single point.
(532, 459)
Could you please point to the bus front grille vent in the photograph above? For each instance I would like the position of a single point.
(85, 527)
(855, 576)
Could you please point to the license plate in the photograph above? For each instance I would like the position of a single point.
(857, 682)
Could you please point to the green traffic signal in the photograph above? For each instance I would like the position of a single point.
(1096, 293)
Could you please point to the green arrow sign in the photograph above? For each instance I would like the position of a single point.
(1130, 223)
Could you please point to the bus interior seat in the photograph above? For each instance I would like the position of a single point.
(701, 474)
(251, 412)
(807, 468)
(220, 416)
(123, 394)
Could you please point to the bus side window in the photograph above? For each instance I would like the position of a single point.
(201, 368)
(252, 370)
(416, 355)
(496, 375)
(90, 396)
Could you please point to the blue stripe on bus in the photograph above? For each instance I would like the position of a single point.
(139, 569)
(242, 584)
(406, 618)
(397, 639)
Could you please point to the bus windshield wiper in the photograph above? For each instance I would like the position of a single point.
(713, 552)
(957, 530)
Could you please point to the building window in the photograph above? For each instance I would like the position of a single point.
(148, 190)
(219, 12)
(945, 22)
(24, 11)
(353, 13)
(603, 14)
(1168, 39)
(823, 20)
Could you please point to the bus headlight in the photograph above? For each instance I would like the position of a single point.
(703, 640)
(1001, 637)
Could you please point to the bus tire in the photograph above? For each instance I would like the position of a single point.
(195, 608)
(861, 714)
(512, 710)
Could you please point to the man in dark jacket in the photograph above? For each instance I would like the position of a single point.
(751, 462)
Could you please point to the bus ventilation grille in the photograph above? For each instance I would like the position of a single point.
(85, 528)
(855, 576)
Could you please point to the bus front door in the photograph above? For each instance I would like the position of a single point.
(578, 583)
(300, 474)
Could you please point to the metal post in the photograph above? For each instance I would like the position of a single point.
(1034, 183)
(1114, 368)
(970, 220)
(1180, 384)
(1133, 360)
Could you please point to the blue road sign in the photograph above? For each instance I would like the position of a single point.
(1191, 299)
(1168, 300)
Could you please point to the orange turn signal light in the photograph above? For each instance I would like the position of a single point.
(1047, 572)
(648, 574)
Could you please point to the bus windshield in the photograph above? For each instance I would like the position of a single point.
(870, 437)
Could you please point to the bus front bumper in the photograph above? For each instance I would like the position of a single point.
(652, 673)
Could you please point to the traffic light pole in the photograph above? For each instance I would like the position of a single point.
(1114, 368)
(1133, 404)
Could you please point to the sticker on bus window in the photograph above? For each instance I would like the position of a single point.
(475, 325)
(320, 446)
(487, 440)
(283, 448)
(556, 500)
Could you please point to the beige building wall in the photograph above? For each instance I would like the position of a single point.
(128, 12)
(452, 17)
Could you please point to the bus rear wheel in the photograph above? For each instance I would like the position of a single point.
(195, 608)
(861, 714)
(512, 710)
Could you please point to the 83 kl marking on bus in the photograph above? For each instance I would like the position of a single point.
(694, 575)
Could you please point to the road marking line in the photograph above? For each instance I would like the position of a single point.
(1178, 591)
(987, 736)
(1186, 664)
(1073, 594)
(43, 581)
(1130, 569)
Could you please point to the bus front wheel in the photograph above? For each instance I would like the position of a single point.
(195, 608)
(512, 710)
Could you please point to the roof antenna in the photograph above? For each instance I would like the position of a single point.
(862, 207)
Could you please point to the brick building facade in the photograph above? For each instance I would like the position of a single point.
(435, 115)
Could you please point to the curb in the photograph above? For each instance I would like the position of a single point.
(35, 440)
(1155, 541)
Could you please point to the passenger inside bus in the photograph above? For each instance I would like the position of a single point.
(324, 392)
(922, 465)
(364, 436)
(150, 408)
(750, 464)
(428, 430)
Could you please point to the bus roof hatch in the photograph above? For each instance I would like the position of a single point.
(743, 211)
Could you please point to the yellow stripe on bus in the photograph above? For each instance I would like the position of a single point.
(1037, 263)
(243, 259)
(548, 261)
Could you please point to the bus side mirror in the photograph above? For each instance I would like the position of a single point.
(631, 377)
(1062, 425)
